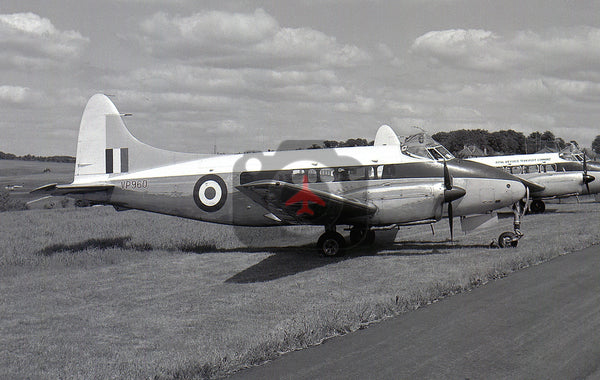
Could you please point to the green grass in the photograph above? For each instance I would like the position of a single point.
(92, 293)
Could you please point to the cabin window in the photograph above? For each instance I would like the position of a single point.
(325, 174)
(297, 175)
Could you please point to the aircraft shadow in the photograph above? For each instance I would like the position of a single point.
(117, 242)
(283, 261)
(293, 260)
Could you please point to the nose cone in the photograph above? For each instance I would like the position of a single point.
(517, 191)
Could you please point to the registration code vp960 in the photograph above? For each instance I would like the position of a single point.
(134, 184)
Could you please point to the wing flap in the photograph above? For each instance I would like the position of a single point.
(298, 204)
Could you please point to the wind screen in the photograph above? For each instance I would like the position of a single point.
(424, 146)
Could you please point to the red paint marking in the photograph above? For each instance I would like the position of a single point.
(305, 196)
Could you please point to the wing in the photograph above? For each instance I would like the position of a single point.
(533, 187)
(299, 205)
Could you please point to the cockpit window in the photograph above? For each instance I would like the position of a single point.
(447, 155)
(435, 154)
(422, 145)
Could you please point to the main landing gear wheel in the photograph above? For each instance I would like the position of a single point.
(331, 244)
(508, 239)
(537, 207)
(366, 237)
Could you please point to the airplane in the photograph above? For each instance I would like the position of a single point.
(551, 175)
(365, 188)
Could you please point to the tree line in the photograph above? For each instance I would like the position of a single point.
(502, 142)
(30, 157)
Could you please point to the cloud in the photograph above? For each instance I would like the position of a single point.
(224, 39)
(560, 50)
(470, 49)
(27, 39)
(17, 95)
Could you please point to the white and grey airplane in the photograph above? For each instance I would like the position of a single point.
(364, 188)
(551, 175)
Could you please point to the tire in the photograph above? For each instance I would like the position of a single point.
(331, 244)
(507, 239)
(537, 207)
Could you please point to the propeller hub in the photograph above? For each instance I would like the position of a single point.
(588, 178)
(454, 193)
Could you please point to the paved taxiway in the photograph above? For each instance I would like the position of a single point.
(539, 323)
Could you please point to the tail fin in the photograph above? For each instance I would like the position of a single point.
(105, 146)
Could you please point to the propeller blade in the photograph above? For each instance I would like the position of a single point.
(586, 177)
(447, 178)
(451, 221)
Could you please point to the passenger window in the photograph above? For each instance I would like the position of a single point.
(325, 175)
(357, 173)
(312, 176)
(297, 175)
(341, 174)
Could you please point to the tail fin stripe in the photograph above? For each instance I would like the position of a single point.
(124, 160)
(109, 161)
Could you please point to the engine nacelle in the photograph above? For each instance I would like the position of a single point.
(402, 203)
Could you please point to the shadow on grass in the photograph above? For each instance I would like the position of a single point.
(293, 260)
(122, 242)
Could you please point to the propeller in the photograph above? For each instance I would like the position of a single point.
(451, 193)
(587, 178)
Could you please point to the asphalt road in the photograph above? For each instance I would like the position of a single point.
(539, 323)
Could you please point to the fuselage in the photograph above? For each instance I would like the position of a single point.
(402, 189)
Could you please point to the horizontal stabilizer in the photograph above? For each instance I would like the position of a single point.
(54, 189)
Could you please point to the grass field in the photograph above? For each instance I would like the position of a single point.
(28, 175)
(92, 293)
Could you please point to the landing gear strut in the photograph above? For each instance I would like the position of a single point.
(511, 239)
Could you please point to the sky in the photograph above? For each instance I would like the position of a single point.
(246, 75)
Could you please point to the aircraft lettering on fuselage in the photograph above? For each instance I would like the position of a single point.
(305, 196)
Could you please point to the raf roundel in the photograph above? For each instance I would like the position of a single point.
(210, 193)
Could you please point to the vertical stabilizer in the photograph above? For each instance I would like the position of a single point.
(386, 136)
(106, 148)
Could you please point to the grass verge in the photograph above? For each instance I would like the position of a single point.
(95, 293)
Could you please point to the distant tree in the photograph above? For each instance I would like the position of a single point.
(596, 144)
(547, 136)
(354, 142)
(330, 144)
